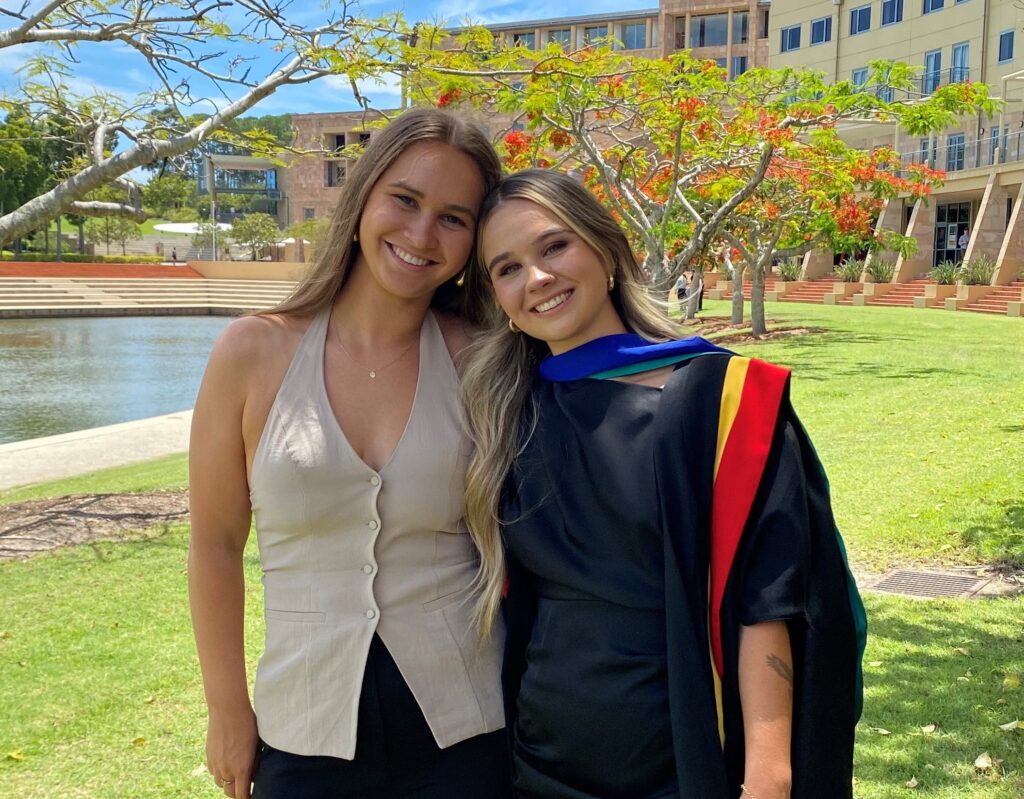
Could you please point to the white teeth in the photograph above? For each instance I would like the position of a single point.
(408, 257)
(554, 302)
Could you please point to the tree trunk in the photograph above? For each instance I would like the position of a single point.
(696, 288)
(757, 323)
(59, 249)
(81, 238)
(737, 294)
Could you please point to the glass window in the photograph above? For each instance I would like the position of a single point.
(739, 66)
(680, 31)
(860, 77)
(308, 213)
(892, 11)
(1005, 47)
(932, 5)
(527, 39)
(860, 20)
(961, 70)
(562, 36)
(790, 39)
(721, 62)
(923, 151)
(932, 71)
(634, 35)
(594, 33)
(762, 24)
(955, 152)
(710, 30)
(821, 30)
(740, 27)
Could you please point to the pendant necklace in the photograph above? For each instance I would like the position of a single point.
(372, 372)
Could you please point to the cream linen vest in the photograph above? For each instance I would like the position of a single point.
(347, 551)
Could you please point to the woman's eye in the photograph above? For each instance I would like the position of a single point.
(451, 219)
(554, 247)
(405, 199)
(507, 269)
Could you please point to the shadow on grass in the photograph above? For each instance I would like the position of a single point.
(939, 663)
(1001, 541)
(1011, 428)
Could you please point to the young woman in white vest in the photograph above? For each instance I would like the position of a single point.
(333, 421)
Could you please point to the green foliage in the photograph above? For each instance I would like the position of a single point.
(206, 233)
(169, 192)
(256, 231)
(111, 229)
(946, 273)
(978, 271)
(850, 270)
(182, 215)
(311, 231)
(790, 269)
(881, 271)
(78, 258)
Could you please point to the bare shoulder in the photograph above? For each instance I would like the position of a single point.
(251, 343)
(458, 333)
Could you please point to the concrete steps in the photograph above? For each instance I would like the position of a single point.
(813, 292)
(97, 296)
(998, 300)
(901, 295)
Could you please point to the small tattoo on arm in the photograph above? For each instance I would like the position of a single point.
(780, 667)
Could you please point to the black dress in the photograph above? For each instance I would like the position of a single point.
(588, 658)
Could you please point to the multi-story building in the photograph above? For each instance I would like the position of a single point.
(950, 41)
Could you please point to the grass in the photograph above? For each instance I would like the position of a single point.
(918, 417)
(170, 472)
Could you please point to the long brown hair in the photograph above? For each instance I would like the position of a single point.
(501, 365)
(320, 285)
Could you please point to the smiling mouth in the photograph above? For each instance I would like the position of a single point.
(554, 302)
(408, 257)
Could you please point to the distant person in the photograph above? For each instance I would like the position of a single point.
(373, 681)
(174, 256)
(681, 285)
(964, 240)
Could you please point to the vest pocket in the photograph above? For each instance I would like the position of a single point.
(302, 616)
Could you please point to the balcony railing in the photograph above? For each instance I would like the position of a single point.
(968, 154)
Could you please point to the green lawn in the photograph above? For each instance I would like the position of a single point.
(917, 416)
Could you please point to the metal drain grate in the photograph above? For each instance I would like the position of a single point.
(931, 584)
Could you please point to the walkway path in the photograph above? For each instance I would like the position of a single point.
(54, 457)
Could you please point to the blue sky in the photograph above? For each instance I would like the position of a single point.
(118, 69)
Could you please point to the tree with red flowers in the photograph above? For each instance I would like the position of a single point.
(678, 152)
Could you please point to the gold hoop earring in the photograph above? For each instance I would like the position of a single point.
(460, 281)
(611, 282)
(512, 326)
(355, 237)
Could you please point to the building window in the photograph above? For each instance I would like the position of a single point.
(860, 77)
(762, 23)
(527, 39)
(680, 30)
(1005, 47)
(932, 71)
(634, 35)
(562, 36)
(334, 173)
(308, 213)
(711, 30)
(955, 146)
(922, 151)
(739, 66)
(821, 30)
(860, 20)
(595, 33)
(892, 11)
(790, 39)
(740, 27)
(961, 70)
(932, 5)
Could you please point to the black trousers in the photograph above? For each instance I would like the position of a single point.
(396, 756)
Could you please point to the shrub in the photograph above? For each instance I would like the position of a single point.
(946, 273)
(182, 215)
(881, 271)
(850, 271)
(978, 271)
(76, 258)
(790, 269)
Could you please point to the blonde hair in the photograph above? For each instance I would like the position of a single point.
(501, 365)
(320, 285)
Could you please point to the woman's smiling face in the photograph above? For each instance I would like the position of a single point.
(550, 282)
(417, 228)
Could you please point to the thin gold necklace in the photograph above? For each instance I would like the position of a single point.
(371, 372)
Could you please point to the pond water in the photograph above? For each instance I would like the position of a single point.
(60, 375)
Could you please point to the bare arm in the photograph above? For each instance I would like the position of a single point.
(766, 695)
(219, 501)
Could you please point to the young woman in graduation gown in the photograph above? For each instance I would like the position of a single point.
(681, 621)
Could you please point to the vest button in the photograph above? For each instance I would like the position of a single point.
(372, 524)
(371, 613)
(375, 480)
(367, 569)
